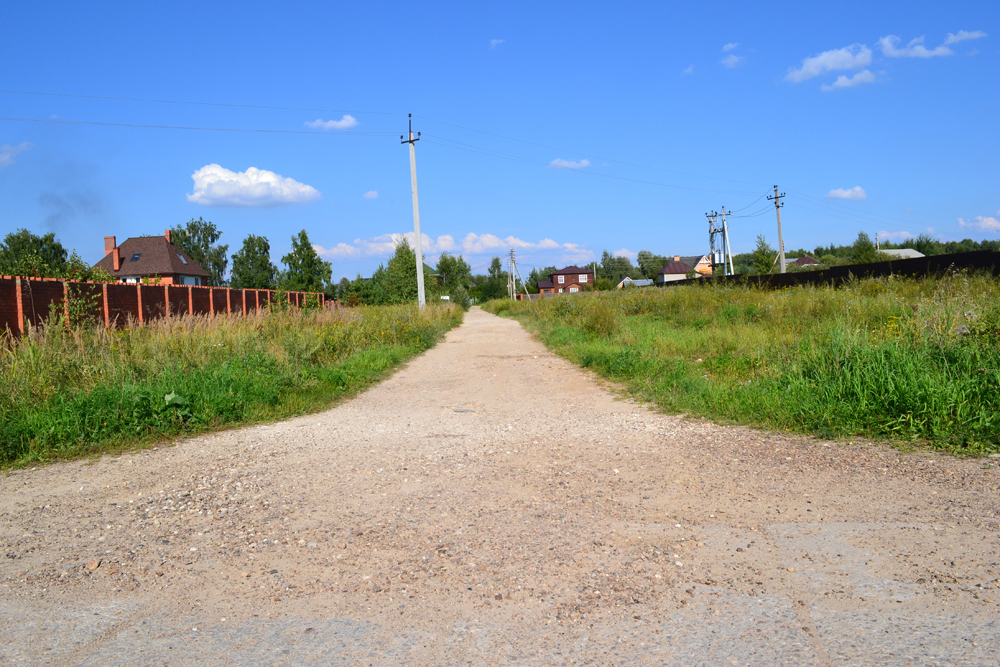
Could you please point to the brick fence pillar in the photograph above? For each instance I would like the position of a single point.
(244, 303)
(229, 308)
(190, 301)
(20, 306)
(166, 300)
(138, 291)
(211, 302)
(107, 311)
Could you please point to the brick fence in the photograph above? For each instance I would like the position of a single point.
(26, 302)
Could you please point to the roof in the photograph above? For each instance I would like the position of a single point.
(677, 267)
(156, 257)
(545, 284)
(570, 269)
(903, 253)
(806, 260)
(694, 260)
(645, 282)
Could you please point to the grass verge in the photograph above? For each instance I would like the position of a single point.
(911, 361)
(67, 392)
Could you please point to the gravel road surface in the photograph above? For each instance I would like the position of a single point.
(493, 504)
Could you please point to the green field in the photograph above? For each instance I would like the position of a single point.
(911, 361)
(68, 391)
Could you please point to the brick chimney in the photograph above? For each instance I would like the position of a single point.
(117, 258)
(677, 258)
(166, 235)
(109, 245)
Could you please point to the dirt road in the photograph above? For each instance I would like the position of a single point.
(492, 504)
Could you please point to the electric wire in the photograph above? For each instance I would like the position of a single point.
(60, 121)
(207, 104)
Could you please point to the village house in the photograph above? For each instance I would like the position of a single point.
(569, 280)
(151, 257)
(679, 267)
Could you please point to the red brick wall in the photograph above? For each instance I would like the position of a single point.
(8, 306)
(38, 295)
(123, 305)
(199, 297)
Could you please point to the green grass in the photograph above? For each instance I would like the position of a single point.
(67, 392)
(910, 361)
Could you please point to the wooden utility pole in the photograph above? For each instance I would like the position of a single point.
(777, 209)
(416, 211)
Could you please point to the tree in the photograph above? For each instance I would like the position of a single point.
(304, 270)
(396, 282)
(455, 272)
(650, 264)
(615, 268)
(25, 253)
(762, 258)
(198, 238)
(863, 251)
(252, 266)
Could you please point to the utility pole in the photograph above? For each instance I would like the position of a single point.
(416, 211)
(725, 257)
(511, 285)
(727, 252)
(777, 209)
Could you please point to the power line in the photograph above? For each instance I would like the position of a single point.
(207, 104)
(185, 127)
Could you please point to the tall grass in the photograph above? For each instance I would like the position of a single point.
(901, 359)
(69, 390)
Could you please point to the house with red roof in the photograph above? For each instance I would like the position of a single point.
(151, 257)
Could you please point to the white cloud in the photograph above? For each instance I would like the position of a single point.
(371, 194)
(894, 236)
(855, 194)
(730, 46)
(963, 35)
(855, 56)
(732, 60)
(689, 70)
(218, 186)
(624, 252)
(494, 43)
(560, 163)
(982, 223)
(471, 244)
(345, 123)
(8, 152)
(844, 81)
(915, 49)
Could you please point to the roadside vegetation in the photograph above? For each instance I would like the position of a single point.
(908, 360)
(67, 391)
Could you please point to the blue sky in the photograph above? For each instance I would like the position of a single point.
(562, 129)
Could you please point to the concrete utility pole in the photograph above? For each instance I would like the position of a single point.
(777, 209)
(416, 212)
(727, 252)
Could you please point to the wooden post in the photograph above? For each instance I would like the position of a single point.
(20, 307)
(138, 291)
(107, 311)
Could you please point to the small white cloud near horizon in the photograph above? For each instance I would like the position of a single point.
(915, 48)
(625, 252)
(844, 81)
(688, 70)
(730, 46)
(963, 35)
(8, 152)
(371, 194)
(856, 193)
(494, 43)
(345, 123)
(217, 186)
(472, 244)
(894, 236)
(732, 61)
(982, 223)
(855, 56)
(560, 163)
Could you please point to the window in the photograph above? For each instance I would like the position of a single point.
(562, 279)
(574, 289)
(181, 257)
(583, 277)
(135, 257)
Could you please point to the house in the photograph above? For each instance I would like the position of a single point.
(806, 260)
(569, 280)
(902, 253)
(679, 267)
(153, 257)
(628, 282)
